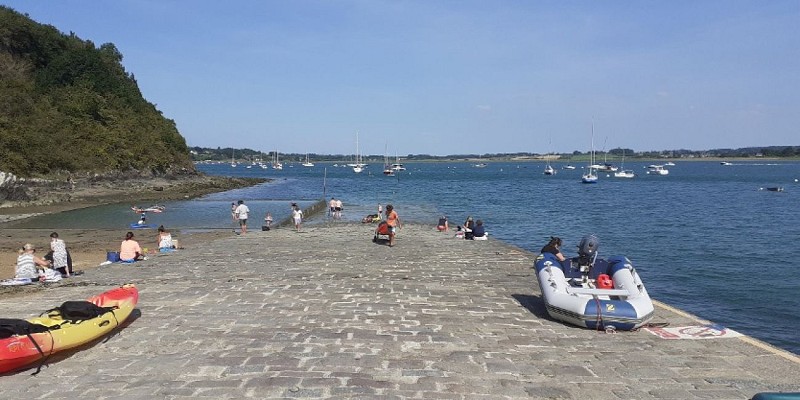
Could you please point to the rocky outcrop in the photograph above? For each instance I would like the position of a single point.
(12, 188)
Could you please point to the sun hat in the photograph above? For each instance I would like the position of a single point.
(28, 247)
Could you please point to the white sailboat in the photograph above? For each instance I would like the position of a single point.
(624, 173)
(548, 169)
(233, 160)
(590, 176)
(397, 166)
(276, 163)
(308, 163)
(387, 169)
(358, 167)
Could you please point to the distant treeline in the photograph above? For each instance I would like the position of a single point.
(200, 154)
(67, 106)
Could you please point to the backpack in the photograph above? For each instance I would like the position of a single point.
(79, 311)
(19, 327)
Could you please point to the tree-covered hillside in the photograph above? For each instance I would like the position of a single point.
(69, 106)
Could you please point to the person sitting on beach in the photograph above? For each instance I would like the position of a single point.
(554, 247)
(372, 218)
(28, 264)
(268, 220)
(479, 231)
(164, 240)
(129, 250)
(468, 226)
(61, 261)
(459, 232)
(442, 226)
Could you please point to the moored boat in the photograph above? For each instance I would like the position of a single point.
(657, 170)
(625, 173)
(591, 175)
(58, 333)
(591, 292)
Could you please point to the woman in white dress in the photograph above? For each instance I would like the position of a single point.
(59, 248)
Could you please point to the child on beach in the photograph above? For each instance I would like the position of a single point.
(297, 216)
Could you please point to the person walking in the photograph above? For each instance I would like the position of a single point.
(393, 220)
(339, 208)
(241, 213)
(297, 216)
(332, 207)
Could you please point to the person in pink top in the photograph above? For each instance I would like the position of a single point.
(129, 250)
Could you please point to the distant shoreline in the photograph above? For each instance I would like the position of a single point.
(561, 160)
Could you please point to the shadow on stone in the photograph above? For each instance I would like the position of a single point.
(534, 304)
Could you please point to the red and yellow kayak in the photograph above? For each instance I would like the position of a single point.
(18, 351)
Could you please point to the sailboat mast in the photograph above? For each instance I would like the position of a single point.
(592, 153)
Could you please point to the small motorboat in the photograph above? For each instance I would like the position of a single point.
(772, 189)
(657, 170)
(625, 173)
(591, 292)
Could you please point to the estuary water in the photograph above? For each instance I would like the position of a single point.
(705, 238)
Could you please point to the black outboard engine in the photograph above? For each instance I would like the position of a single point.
(587, 249)
(587, 252)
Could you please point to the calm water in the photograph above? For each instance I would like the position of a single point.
(704, 238)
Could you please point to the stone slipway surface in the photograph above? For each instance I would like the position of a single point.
(326, 313)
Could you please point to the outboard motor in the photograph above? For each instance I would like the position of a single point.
(587, 249)
(587, 252)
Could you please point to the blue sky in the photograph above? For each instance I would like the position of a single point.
(454, 77)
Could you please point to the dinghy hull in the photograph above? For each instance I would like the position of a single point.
(574, 298)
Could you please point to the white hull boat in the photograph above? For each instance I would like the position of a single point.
(598, 294)
(625, 173)
(657, 170)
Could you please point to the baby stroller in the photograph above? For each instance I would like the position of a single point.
(381, 230)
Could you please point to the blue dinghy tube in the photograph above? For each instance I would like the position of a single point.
(541, 262)
(777, 396)
(619, 314)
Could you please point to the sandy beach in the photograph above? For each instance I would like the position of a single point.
(89, 247)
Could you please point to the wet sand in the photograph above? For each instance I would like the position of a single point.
(89, 247)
